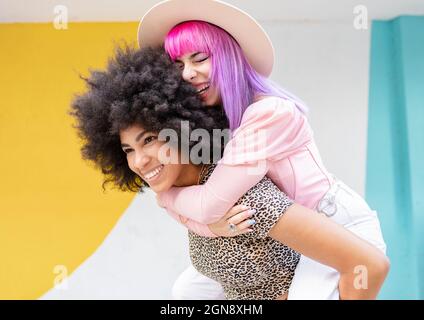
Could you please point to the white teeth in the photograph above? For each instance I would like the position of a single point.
(153, 173)
(204, 88)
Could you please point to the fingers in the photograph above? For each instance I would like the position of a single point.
(242, 222)
(241, 216)
(241, 230)
(246, 224)
(235, 210)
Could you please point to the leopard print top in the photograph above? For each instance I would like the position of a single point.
(251, 265)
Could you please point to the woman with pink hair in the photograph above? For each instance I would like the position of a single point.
(228, 57)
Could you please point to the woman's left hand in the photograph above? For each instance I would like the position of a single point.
(235, 222)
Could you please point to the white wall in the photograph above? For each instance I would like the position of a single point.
(131, 10)
(326, 64)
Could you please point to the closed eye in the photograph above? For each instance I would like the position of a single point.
(201, 60)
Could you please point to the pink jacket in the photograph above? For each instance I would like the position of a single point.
(274, 139)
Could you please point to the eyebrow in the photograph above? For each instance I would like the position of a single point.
(141, 134)
(191, 57)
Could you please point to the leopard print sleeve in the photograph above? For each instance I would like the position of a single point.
(269, 201)
(270, 204)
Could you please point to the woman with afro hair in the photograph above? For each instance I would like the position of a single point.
(122, 118)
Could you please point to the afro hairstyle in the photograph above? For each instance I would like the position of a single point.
(139, 87)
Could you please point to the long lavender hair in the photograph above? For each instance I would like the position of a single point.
(236, 80)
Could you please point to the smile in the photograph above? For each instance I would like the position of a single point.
(203, 90)
(152, 175)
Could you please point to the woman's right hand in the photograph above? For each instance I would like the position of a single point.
(239, 216)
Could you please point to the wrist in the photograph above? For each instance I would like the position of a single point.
(213, 230)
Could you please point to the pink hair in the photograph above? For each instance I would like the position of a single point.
(236, 80)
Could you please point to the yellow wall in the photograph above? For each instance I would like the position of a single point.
(52, 209)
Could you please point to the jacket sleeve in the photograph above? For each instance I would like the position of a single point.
(270, 130)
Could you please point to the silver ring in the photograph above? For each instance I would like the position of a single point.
(232, 227)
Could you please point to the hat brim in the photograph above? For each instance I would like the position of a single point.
(252, 38)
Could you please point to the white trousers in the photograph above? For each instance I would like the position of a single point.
(312, 280)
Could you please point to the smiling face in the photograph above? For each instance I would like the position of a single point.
(196, 69)
(142, 149)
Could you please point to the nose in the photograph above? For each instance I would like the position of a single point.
(141, 160)
(189, 72)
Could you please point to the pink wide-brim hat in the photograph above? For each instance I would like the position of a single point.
(252, 38)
